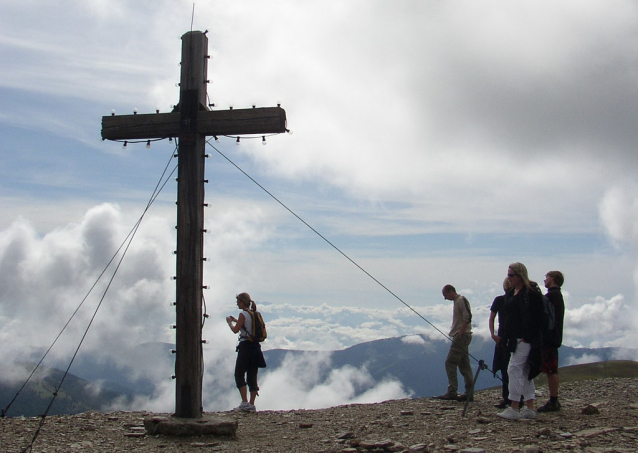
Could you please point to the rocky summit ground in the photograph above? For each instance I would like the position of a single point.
(596, 416)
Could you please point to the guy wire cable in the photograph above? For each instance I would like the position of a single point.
(4, 411)
(335, 247)
(129, 238)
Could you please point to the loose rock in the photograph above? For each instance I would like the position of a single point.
(383, 427)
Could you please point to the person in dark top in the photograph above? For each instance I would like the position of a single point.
(501, 356)
(522, 334)
(552, 340)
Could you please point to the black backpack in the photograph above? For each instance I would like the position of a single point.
(549, 317)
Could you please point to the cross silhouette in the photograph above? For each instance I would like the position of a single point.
(191, 121)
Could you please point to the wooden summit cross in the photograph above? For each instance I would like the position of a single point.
(191, 121)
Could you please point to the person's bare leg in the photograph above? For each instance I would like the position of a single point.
(244, 394)
(552, 383)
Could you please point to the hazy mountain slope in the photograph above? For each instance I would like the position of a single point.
(75, 396)
(414, 361)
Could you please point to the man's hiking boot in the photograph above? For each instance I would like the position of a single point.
(550, 407)
(464, 397)
(502, 404)
(449, 396)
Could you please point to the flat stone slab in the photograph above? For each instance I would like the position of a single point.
(176, 426)
(597, 431)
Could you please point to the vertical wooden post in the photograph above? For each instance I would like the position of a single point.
(190, 228)
(191, 122)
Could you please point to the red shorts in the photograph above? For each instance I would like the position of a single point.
(549, 360)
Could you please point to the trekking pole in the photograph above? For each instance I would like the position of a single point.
(481, 366)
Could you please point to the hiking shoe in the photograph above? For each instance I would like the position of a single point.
(244, 407)
(464, 397)
(510, 414)
(251, 408)
(550, 407)
(448, 396)
(502, 405)
(528, 413)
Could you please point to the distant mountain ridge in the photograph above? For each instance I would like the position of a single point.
(416, 362)
(75, 396)
(419, 365)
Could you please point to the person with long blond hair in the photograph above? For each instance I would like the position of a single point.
(523, 312)
(249, 355)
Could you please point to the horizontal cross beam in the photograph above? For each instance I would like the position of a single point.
(254, 121)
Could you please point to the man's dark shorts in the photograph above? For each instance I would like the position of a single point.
(549, 360)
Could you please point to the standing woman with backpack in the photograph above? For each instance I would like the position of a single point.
(522, 314)
(249, 355)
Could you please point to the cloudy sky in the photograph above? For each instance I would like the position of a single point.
(433, 143)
